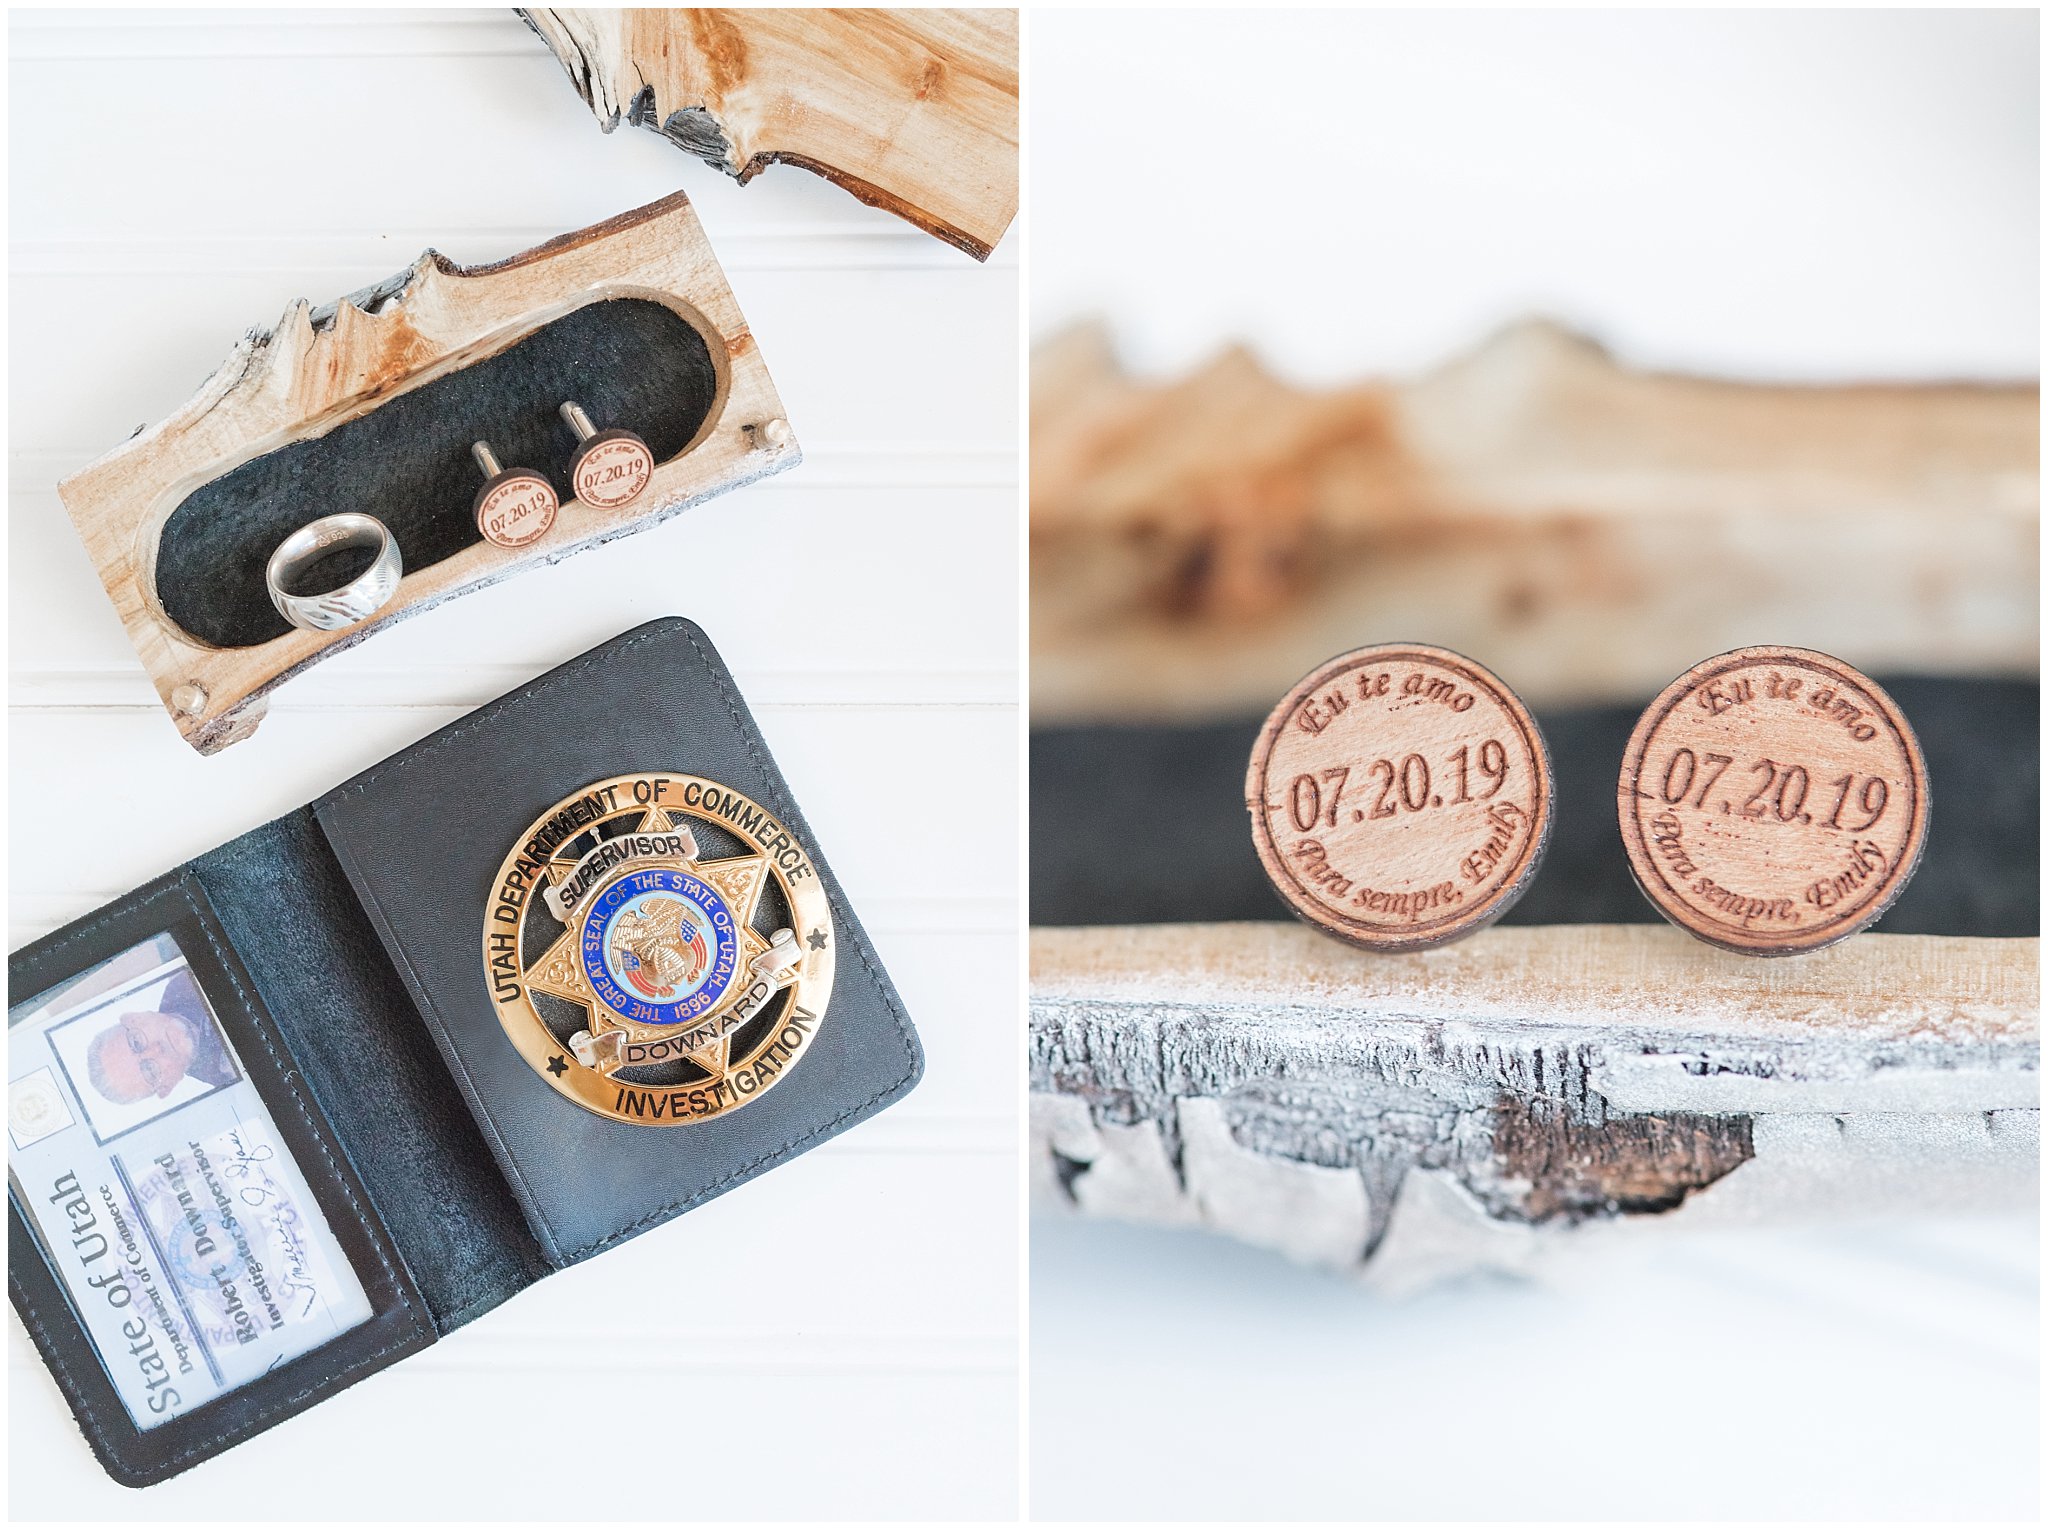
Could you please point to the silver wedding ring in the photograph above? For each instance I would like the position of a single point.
(362, 596)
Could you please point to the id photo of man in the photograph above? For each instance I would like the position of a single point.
(136, 1056)
(151, 1051)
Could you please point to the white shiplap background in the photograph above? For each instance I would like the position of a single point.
(178, 176)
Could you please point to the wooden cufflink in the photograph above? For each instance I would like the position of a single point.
(611, 468)
(1400, 797)
(514, 507)
(1773, 801)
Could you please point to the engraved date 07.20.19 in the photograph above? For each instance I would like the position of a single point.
(1778, 791)
(1316, 799)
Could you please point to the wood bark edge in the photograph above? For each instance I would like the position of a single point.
(1527, 1095)
(911, 111)
(321, 367)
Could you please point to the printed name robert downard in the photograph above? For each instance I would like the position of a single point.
(195, 1269)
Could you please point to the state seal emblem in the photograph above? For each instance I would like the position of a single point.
(659, 949)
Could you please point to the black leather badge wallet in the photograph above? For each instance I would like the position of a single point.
(540, 982)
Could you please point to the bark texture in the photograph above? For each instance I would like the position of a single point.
(912, 111)
(1529, 1089)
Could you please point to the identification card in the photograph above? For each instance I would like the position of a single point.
(192, 1250)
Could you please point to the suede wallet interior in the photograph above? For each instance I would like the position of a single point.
(339, 949)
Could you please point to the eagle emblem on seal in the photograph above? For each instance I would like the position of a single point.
(658, 948)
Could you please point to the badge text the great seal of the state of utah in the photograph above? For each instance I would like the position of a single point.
(659, 948)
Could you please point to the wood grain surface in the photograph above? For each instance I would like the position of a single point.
(1773, 801)
(1400, 797)
(313, 373)
(1198, 542)
(913, 111)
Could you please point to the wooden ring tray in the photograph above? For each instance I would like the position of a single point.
(371, 403)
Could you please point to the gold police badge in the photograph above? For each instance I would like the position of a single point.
(659, 949)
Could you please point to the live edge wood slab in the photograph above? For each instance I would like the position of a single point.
(308, 388)
(1588, 528)
(1526, 1093)
(913, 111)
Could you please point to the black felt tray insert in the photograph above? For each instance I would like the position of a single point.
(1179, 792)
(631, 363)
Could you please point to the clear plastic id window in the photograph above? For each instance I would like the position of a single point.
(188, 1242)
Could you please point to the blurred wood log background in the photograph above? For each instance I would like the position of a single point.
(1588, 530)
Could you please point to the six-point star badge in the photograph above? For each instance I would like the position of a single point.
(642, 953)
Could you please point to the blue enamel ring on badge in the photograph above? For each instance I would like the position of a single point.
(659, 947)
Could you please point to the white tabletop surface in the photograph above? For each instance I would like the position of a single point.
(178, 177)
(1830, 1372)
